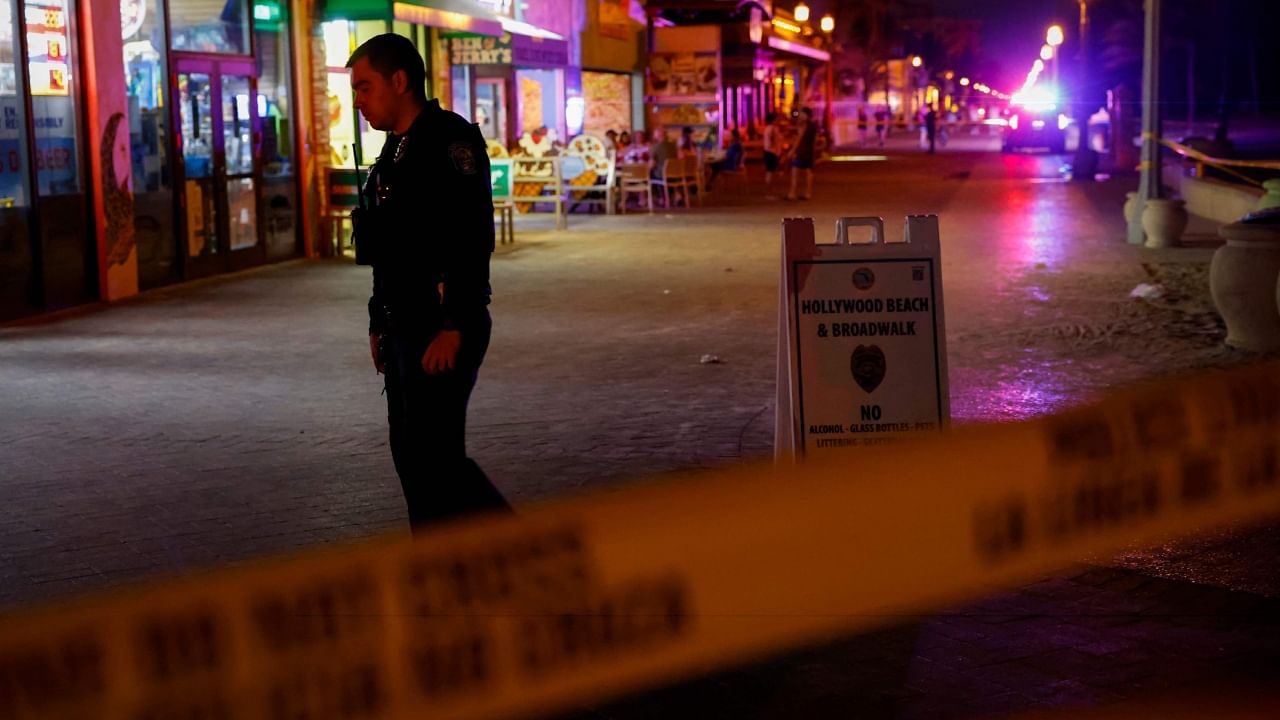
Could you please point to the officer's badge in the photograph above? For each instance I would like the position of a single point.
(401, 148)
(868, 366)
(464, 158)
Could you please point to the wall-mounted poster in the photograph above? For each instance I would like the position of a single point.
(684, 74)
(48, 45)
(608, 101)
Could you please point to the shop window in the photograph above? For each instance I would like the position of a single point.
(540, 93)
(460, 80)
(145, 82)
(211, 27)
(13, 126)
(271, 39)
(50, 51)
(371, 140)
(147, 87)
(608, 102)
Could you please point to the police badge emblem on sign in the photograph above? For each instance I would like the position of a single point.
(464, 157)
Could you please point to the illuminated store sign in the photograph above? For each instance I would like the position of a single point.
(48, 44)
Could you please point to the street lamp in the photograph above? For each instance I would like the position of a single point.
(828, 23)
(1054, 36)
(802, 12)
(964, 82)
(916, 61)
(1046, 53)
(1086, 161)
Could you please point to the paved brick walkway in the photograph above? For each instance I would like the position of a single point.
(212, 423)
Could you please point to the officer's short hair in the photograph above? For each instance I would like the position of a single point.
(388, 53)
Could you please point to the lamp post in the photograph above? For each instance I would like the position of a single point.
(1149, 179)
(828, 25)
(1086, 160)
(1053, 38)
(801, 12)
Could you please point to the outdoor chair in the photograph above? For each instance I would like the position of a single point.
(634, 180)
(677, 174)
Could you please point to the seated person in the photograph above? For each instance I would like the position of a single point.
(732, 159)
(687, 146)
(661, 150)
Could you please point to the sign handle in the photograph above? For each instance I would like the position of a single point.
(875, 223)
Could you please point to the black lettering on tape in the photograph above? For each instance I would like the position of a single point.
(449, 656)
(539, 568)
(1260, 467)
(1160, 422)
(1000, 528)
(1201, 479)
(1100, 498)
(184, 705)
(60, 674)
(1080, 436)
(180, 643)
(330, 611)
(1254, 405)
(338, 690)
(638, 616)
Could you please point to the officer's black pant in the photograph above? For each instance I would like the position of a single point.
(428, 419)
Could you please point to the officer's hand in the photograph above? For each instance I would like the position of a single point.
(378, 363)
(442, 353)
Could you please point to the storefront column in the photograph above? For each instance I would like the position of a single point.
(302, 42)
(110, 187)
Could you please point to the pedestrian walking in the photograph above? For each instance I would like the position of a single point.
(772, 145)
(931, 127)
(426, 227)
(803, 154)
(881, 129)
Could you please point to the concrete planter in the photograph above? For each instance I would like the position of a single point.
(1130, 207)
(1243, 279)
(1163, 221)
(1272, 198)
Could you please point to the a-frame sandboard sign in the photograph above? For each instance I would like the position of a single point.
(862, 346)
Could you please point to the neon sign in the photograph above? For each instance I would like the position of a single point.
(48, 45)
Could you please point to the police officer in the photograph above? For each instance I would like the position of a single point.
(426, 227)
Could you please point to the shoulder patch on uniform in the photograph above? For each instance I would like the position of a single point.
(464, 157)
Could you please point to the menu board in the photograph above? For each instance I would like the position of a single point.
(683, 74)
(48, 46)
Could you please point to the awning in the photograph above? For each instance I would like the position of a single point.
(455, 15)
(798, 48)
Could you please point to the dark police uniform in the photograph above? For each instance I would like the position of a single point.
(427, 230)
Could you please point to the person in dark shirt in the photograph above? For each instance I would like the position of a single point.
(732, 159)
(426, 226)
(804, 154)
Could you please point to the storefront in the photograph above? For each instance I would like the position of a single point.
(345, 24)
(514, 84)
(682, 88)
(48, 251)
(212, 125)
(731, 69)
(613, 68)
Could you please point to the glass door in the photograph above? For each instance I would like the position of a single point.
(218, 140)
(491, 108)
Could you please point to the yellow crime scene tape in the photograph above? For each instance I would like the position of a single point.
(583, 599)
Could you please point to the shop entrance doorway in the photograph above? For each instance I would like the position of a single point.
(491, 108)
(218, 139)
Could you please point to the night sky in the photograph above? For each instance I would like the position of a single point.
(1012, 31)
